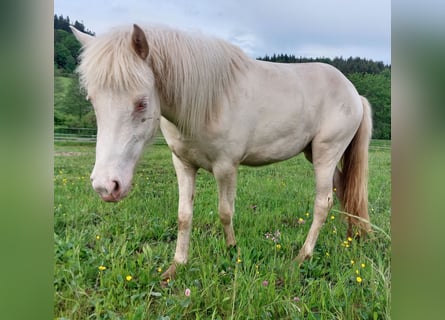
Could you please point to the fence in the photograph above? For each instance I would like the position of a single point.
(75, 134)
(87, 135)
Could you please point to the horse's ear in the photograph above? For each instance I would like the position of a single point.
(139, 42)
(83, 38)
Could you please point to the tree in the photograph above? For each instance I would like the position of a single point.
(66, 50)
(347, 66)
(72, 108)
(377, 89)
(61, 23)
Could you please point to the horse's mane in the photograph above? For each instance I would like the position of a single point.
(192, 72)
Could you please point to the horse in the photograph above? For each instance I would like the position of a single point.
(218, 109)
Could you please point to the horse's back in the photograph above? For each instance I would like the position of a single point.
(274, 112)
(283, 107)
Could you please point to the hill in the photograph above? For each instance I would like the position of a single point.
(66, 47)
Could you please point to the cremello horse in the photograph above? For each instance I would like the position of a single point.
(219, 109)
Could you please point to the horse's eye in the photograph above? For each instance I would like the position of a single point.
(140, 106)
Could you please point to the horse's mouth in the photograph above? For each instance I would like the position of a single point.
(110, 198)
(114, 196)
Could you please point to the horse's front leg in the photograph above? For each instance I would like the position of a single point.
(186, 175)
(225, 176)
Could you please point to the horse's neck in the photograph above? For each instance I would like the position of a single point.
(169, 112)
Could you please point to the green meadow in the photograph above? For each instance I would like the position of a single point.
(109, 256)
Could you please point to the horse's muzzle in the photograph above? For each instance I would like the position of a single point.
(110, 191)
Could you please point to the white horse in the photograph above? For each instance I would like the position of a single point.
(219, 109)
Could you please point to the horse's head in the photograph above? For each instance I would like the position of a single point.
(120, 84)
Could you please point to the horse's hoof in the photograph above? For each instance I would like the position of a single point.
(169, 274)
(302, 256)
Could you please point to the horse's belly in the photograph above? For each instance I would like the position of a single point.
(273, 152)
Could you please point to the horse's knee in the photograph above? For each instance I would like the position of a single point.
(324, 203)
(225, 214)
(225, 218)
(226, 221)
(184, 221)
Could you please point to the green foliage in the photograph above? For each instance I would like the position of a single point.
(66, 50)
(61, 23)
(259, 280)
(377, 89)
(66, 47)
(71, 109)
(346, 66)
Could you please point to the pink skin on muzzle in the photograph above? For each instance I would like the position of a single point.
(111, 190)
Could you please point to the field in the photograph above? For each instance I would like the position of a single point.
(109, 257)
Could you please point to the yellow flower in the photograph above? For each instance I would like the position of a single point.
(352, 262)
(159, 269)
(101, 268)
(363, 265)
(327, 254)
(359, 279)
(307, 214)
(357, 272)
(239, 260)
(332, 217)
(335, 189)
(278, 246)
(128, 278)
(97, 237)
(349, 239)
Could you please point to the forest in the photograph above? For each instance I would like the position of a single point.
(71, 110)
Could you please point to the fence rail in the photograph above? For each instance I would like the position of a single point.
(87, 135)
(75, 134)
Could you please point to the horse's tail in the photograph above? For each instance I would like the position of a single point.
(354, 197)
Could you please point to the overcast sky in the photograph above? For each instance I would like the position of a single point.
(311, 28)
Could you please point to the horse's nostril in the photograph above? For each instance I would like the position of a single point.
(116, 186)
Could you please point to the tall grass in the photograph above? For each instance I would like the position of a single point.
(109, 257)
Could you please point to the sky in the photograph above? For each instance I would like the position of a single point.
(311, 28)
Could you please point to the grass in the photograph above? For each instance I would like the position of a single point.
(108, 257)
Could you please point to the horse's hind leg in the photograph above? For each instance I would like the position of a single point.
(338, 185)
(325, 162)
(186, 182)
(225, 176)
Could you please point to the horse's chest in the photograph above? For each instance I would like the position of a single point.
(192, 155)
